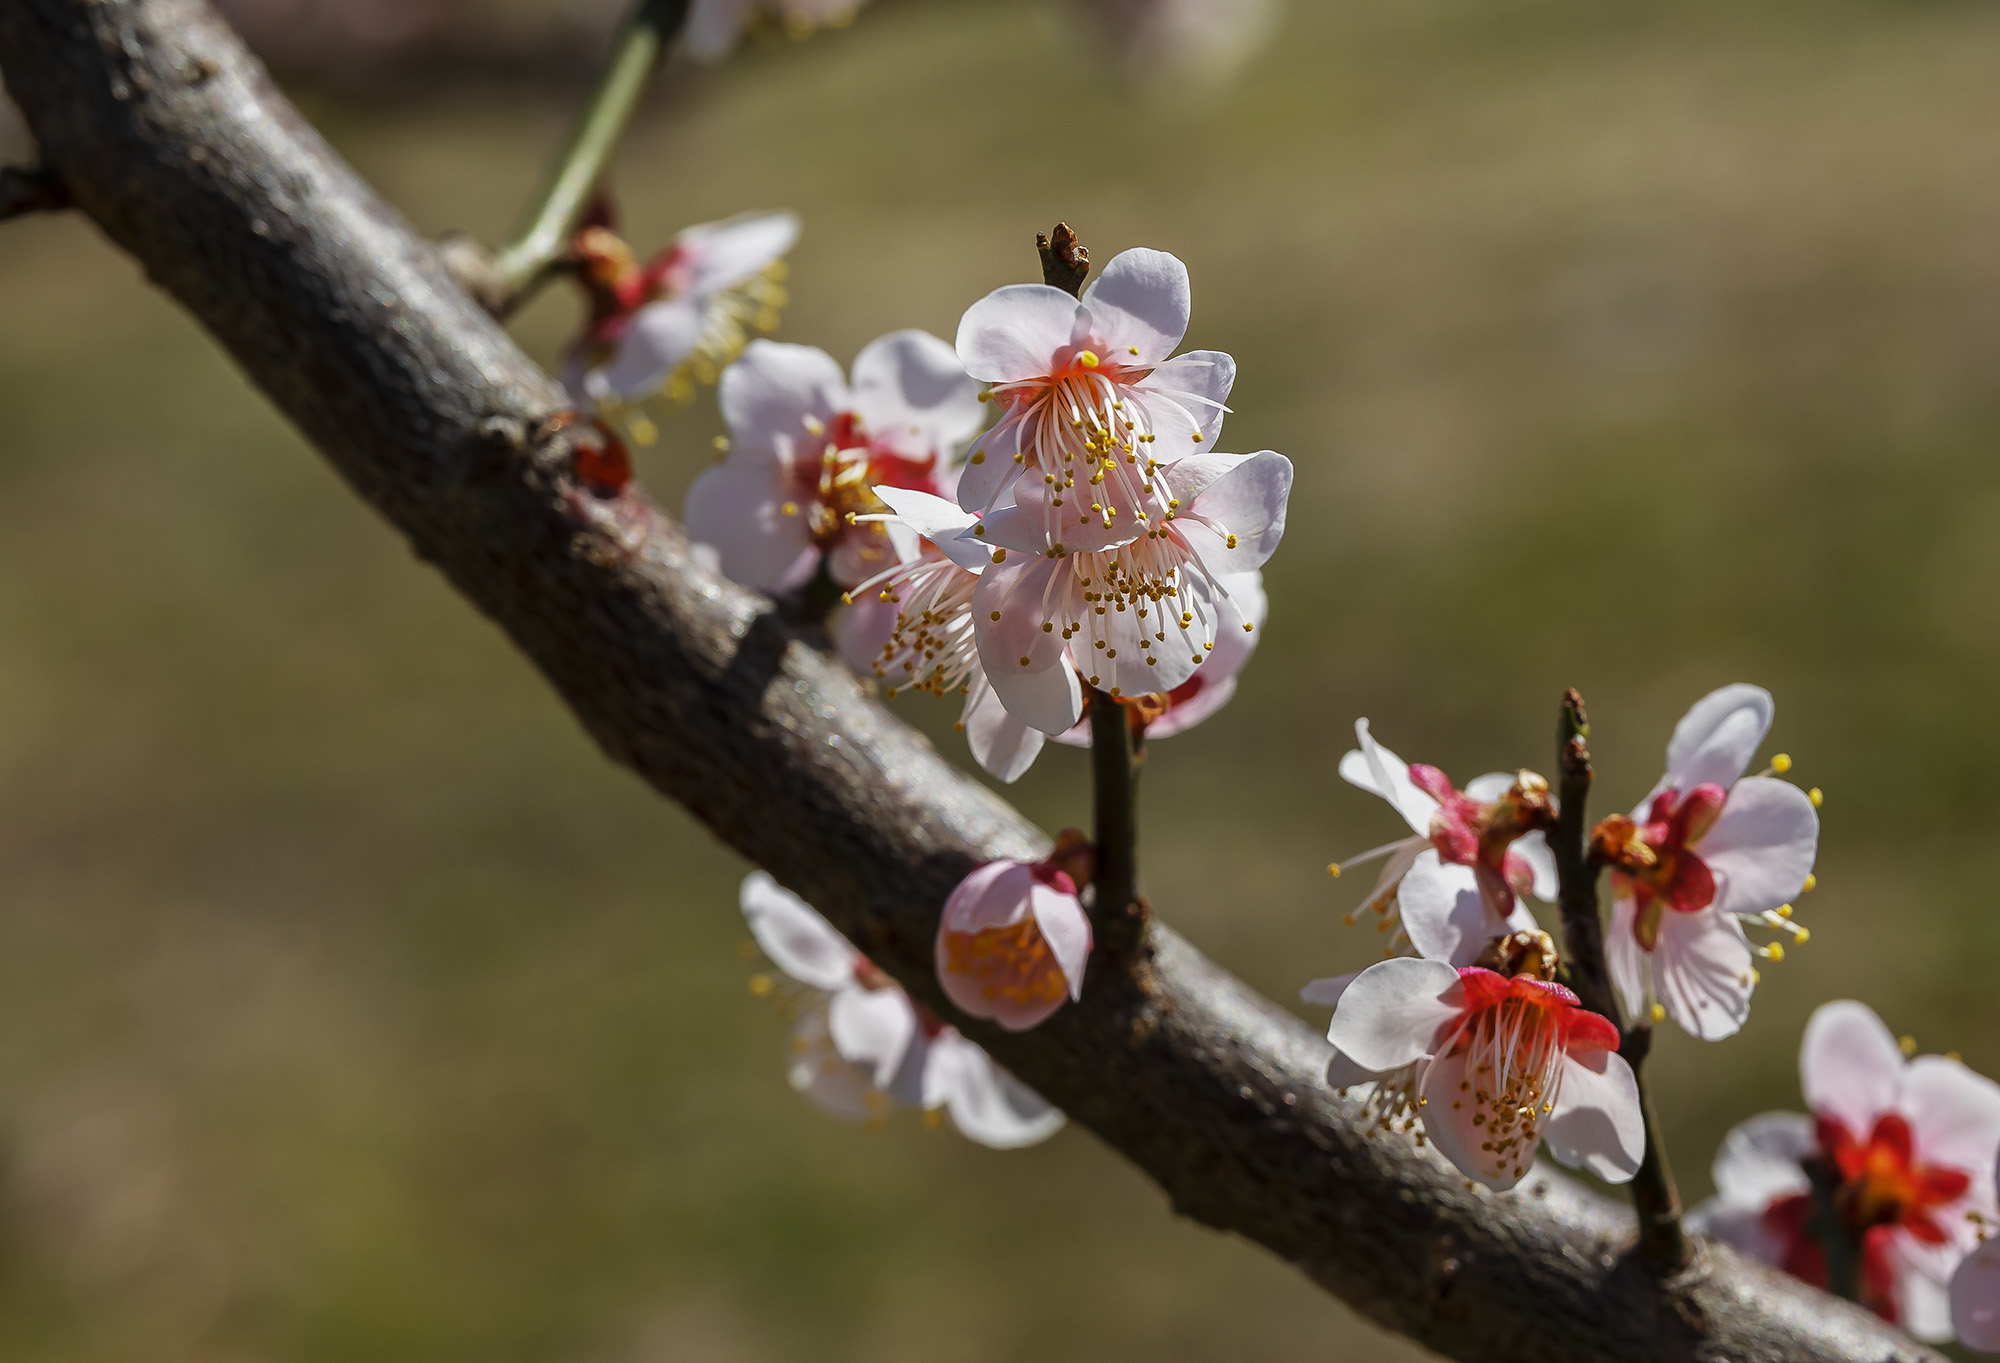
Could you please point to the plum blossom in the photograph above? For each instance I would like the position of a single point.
(1132, 620)
(911, 626)
(1708, 849)
(1091, 406)
(1490, 1060)
(1975, 1292)
(1162, 714)
(808, 451)
(674, 322)
(715, 26)
(861, 1045)
(1473, 854)
(1906, 1149)
(1012, 943)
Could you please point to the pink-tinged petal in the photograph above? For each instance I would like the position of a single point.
(1741, 1228)
(839, 1087)
(1019, 530)
(1759, 1161)
(1597, 1125)
(1380, 772)
(1009, 609)
(1444, 914)
(727, 253)
(1246, 504)
(1631, 965)
(652, 346)
(1923, 1297)
(1850, 1067)
(1717, 738)
(987, 1104)
(939, 521)
(1762, 845)
(1327, 992)
(770, 395)
(1704, 971)
(1342, 1073)
(1146, 663)
(1004, 746)
(1140, 305)
(1014, 332)
(1448, 1119)
(1975, 1299)
(1393, 1013)
(993, 961)
(914, 396)
(789, 931)
(1190, 391)
(990, 468)
(1049, 700)
(1533, 848)
(1066, 928)
(861, 630)
(1954, 1116)
(738, 508)
(854, 558)
(873, 1028)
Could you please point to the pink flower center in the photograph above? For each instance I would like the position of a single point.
(1468, 832)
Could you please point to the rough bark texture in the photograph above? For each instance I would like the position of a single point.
(174, 142)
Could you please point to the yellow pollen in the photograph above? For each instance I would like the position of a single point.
(721, 443)
(1908, 1044)
(1659, 1011)
(1811, 881)
(1011, 964)
(996, 615)
(761, 986)
(1817, 796)
(1782, 763)
(1333, 869)
(999, 555)
(978, 457)
(1088, 359)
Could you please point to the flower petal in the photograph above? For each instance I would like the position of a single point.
(1759, 1160)
(1380, 772)
(913, 395)
(1743, 1229)
(1327, 992)
(1343, 1073)
(987, 1104)
(1849, 1065)
(1141, 303)
(1716, 739)
(1014, 332)
(1923, 1301)
(941, 522)
(1005, 747)
(1533, 848)
(1954, 1116)
(1448, 1121)
(873, 1028)
(727, 253)
(1393, 1012)
(1597, 1125)
(736, 508)
(1188, 393)
(1975, 1299)
(1703, 966)
(1066, 928)
(799, 942)
(770, 394)
(1630, 963)
(861, 630)
(1246, 503)
(1445, 915)
(652, 346)
(840, 1087)
(1762, 845)
(1023, 661)
(1489, 787)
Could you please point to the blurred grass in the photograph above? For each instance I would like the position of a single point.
(352, 1006)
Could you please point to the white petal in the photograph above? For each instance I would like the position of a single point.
(1451, 1130)
(1954, 1115)
(986, 1103)
(1923, 1301)
(914, 396)
(1002, 745)
(1717, 738)
(1849, 1065)
(1249, 503)
(1742, 1228)
(1445, 915)
(1762, 845)
(939, 521)
(1631, 965)
(799, 942)
(771, 393)
(1327, 992)
(1975, 1299)
(1043, 692)
(1141, 302)
(989, 469)
(1759, 1160)
(1704, 971)
(862, 629)
(725, 254)
(1597, 1125)
(1380, 772)
(1014, 332)
(1191, 390)
(1011, 527)
(872, 1028)
(1533, 848)
(737, 508)
(1392, 1014)
(652, 346)
(1490, 787)
(1342, 1073)
(1066, 928)
(839, 1087)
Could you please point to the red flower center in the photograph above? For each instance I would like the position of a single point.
(1660, 868)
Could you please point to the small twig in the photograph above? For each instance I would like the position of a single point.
(1661, 1238)
(650, 28)
(1064, 261)
(30, 189)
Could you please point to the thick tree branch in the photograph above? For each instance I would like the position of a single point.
(170, 137)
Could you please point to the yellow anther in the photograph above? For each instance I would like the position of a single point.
(847, 598)
(1782, 763)
(721, 443)
(1908, 1044)
(1659, 1011)
(761, 986)
(1784, 911)
(999, 555)
(1088, 359)
(1817, 796)
(1131, 350)
(978, 457)
(1024, 660)
(1801, 936)
(1230, 542)
(1811, 881)
(996, 615)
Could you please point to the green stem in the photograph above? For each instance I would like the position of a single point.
(647, 32)
(1654, 1197)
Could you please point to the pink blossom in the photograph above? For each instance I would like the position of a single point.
(861, 1045)
(677, 320)
(1490, 1060)
(1708, 849)
(1975, 1293)
(808, 451)
(1012, 943)
(1908, 1146)
(1091, 406)
(1457, 882)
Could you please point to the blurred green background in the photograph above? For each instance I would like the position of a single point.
(352, 1006)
